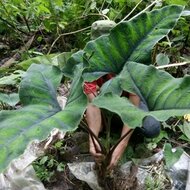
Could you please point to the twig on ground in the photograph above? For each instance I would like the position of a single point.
(67, 179)
(16, 55)
(172, 65)
(186, 145)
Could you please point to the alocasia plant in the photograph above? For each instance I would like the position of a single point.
(164, 95)
(40, 113)
(128, 44)
(128, 41)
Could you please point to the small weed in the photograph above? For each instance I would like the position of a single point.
(48, 165)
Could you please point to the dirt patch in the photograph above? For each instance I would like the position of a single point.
(66, 181)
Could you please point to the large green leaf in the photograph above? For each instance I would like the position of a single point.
(128, 41)
(39, 86)
(41, 112)
(164, 95)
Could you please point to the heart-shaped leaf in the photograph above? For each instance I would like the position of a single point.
(41, 112)
(171, 155)
(128, 41)
(164, 95)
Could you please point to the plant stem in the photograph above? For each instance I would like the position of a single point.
(115, 146)
(131, 11)
(91, 14)
(65, 34)
(26, 22)
(108, 134)
(169, 42)
(102, 6)
(154, 2)
(93, 136)
(119, 13)
(186, 39)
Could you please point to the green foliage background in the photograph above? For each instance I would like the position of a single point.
(48, 19)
